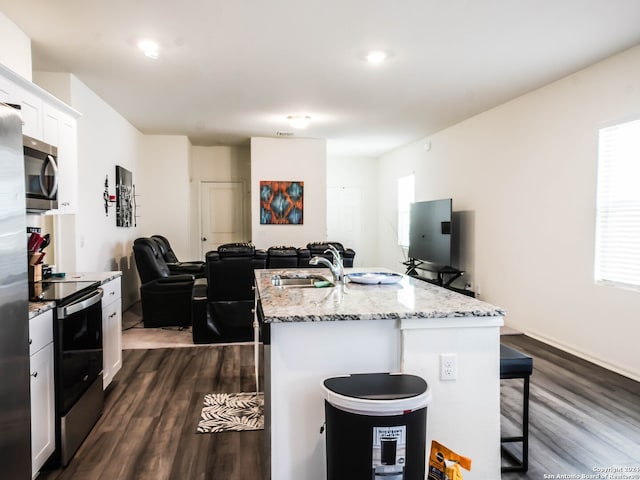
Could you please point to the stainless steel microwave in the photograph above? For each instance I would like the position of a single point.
(40, 175)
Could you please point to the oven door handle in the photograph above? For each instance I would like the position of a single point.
(81, 304)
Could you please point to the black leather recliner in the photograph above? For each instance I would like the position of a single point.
(166, 298)
(196, 268)
(227, 315)
(317, 249)
(282, 257)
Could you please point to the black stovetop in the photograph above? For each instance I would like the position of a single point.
(60, 292)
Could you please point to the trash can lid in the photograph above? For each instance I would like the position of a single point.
(377, 394)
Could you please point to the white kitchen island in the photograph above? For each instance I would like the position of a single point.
(311, 334)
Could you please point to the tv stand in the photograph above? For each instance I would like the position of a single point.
(445, 275)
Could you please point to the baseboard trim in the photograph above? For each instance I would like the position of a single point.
(583, 355)
(506, 330)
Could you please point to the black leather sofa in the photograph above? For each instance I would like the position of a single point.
(317, 249)
(282, 257)
(219, 307)
(196, 268)
(225, 313)
(166, 298)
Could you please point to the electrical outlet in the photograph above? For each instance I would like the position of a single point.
(448, 366)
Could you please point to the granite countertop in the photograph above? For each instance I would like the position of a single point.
(36, 308)
(102, 277)
(410, 298)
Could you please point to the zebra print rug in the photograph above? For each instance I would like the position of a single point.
(232, 412)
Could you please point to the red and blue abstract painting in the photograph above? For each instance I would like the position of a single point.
(281, 203)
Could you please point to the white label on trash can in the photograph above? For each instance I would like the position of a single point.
(389, 451)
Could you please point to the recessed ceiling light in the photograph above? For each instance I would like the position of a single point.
(376, 56)
(149, 48)
(299, 121)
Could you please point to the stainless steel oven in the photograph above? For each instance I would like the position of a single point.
(79, 396)
(80, 400)
(40, 174)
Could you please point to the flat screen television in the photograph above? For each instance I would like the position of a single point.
(430, 232)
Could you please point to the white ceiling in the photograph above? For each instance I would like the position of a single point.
(231, 70)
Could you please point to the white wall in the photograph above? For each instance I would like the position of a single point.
(105, 140)
(15, 47)
(524, 174)
(91, 239)
(217, 164)
(391, 167)
(297, 160)
(352, 190)
(162, 183)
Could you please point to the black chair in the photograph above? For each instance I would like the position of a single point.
(228, 313)
(317, 249)
(165, 298)
(515, 364)
(282, 257)
(196, 268)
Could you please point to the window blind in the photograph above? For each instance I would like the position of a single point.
(617, 256)
(406, 187)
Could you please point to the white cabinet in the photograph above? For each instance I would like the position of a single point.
(60, 130)
(42, 389)
(31, 113)
(46, 118)
(31, 106)
(6, 90)
(111, 330)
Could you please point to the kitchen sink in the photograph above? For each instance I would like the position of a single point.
(300, 281)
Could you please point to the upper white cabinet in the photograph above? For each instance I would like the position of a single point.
(48, 119)
(60, 129)
(31, 106)
(6, 89)
(31, 112)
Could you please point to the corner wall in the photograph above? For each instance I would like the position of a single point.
(524, 173)
(297, 160)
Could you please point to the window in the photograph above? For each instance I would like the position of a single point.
(406, 187)
(617, 258)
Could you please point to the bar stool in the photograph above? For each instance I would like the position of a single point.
(515, 364)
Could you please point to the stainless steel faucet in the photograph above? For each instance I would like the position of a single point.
(337, 267)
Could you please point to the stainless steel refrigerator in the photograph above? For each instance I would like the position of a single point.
(15, 408)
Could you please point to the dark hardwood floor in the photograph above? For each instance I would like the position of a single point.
(582, 417)
(148, 427)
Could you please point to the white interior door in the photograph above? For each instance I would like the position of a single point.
(222, 214)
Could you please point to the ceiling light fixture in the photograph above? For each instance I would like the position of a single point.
(299, 121)
(376, 56)
(149, 48)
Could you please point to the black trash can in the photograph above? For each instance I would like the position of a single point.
(376, 426)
